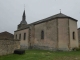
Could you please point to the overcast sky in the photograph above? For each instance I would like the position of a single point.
(11, 11)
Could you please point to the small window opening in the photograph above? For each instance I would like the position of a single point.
(20, 36)
(73, 35)
(42, 34)
(24, 36)
(16, 36)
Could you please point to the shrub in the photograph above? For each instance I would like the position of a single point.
(19, 51)
(76, 49)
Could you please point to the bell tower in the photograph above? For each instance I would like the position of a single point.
(23, 23)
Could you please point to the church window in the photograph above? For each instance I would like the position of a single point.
(20, 36)
(16, 36)
(24, 36)
(73, 35)
(42, 34)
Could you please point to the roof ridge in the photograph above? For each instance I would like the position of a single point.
(53, 16)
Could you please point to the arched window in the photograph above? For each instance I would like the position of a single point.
(20, 36)
(42, 34)
(73, 34)
(16, 36)
(24, 36)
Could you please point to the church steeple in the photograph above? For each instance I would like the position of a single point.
(23, 18)
(23, 23)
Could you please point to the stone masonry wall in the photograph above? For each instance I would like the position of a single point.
(23, 43)
(50, 35)
(31, 36)
(63, 34)
(8, 46)
(79, 36)
(74, 43)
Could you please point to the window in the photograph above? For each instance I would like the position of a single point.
(42, 34)
(16, 36)
(24, 36)
(73, 35)
(20, 36)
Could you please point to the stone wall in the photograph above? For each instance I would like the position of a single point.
(79, 36)
(57, 35)
(23, 43)
(7, 46)
(73, 28)
(63, 33)
(31, 36)
(50, 35)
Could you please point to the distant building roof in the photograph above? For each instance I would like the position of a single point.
(6, 35)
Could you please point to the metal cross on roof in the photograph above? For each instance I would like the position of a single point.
(60, 10)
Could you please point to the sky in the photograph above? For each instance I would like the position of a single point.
(11, 11)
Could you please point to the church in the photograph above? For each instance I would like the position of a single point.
(57, 32)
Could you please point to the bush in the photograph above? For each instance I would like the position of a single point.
(76, 49)
(19, 51)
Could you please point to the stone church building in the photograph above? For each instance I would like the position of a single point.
(57, 32)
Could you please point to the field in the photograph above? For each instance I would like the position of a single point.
(43, 55)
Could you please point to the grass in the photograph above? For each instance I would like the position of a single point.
(43, 55)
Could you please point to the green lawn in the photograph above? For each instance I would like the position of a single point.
(43, 55)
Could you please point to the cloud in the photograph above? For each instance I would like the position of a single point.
(11, 11)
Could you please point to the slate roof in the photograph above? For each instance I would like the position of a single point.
(23, 19)
(6, 35)
(59, 15)
(23, 22)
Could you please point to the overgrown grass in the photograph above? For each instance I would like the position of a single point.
(43, 55)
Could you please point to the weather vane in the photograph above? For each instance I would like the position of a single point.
(24, 6)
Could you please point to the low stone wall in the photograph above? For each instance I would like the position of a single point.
(7, 46)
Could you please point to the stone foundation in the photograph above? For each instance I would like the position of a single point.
(44, 48)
